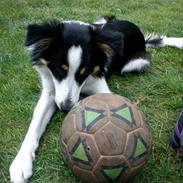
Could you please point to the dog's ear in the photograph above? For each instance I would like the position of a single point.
(44, 33)
(109, 42)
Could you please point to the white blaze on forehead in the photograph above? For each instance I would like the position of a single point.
(74, 59)
(68, 88)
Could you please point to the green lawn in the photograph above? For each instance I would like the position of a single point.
(160, 90)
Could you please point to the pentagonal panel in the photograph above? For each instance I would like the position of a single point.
(110, 140)
(82, 150)
(139, 115)
(68, 127)
(111, 169)
(65, 153)
(85, 175)
(132, 172)
(138, 147)
(144, 124)
(111, 100)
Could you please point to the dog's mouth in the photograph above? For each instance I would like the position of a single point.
(67, 105)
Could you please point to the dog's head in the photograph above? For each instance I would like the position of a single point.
(71, 51)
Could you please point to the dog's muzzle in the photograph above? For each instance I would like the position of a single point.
(66, 105)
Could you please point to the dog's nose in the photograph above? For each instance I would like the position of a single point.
(66, 106)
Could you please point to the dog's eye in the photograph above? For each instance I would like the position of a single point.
(82, 71)
(65, 67)
(63, 70)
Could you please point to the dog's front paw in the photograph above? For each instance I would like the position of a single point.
(21, 168)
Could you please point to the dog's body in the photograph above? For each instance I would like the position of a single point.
(73, 57)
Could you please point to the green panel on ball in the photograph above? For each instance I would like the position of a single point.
(80, 153)
(76, 104)
(90, 116)
(140, 148)
(125, 113)
(113, 173)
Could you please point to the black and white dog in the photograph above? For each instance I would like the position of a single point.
(74, 57)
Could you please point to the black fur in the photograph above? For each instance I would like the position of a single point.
(129, 44)
(110, 47)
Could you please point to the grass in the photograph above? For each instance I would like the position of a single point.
(160, 90)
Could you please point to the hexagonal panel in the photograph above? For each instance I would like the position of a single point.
(82, 150)
(138, 147)
(68, 127)
(111, 169)
(110, 140)
(85, 175)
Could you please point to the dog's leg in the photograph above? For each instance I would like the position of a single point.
(137, 65)
(21, 167)
(95, 85)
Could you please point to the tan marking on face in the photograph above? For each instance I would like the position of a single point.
(83, 70)
(105, 48)
(44, 43)
(96, 69)
(42, 62)
(65, 67)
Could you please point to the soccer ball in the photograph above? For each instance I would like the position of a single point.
(105, 138)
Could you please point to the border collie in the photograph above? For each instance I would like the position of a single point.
(74, 57)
